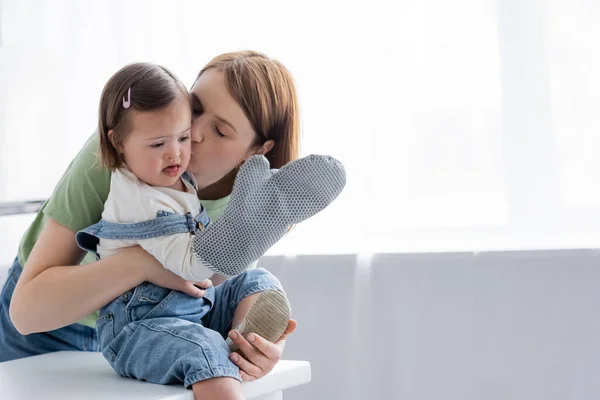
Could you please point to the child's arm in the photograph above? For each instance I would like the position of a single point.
(131, 201)
(264, 204)
(174, 252)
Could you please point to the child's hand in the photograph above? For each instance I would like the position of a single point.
(205, 284)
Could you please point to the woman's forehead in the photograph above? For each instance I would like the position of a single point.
(211, 91)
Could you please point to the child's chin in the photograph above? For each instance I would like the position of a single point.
(164, 180)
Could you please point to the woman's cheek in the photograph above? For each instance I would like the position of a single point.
(194, 165)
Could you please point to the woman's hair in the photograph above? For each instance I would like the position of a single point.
(265, 90)
(137, 86)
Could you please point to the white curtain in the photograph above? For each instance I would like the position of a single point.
(469, 124)
(492, 326)
(463, 125)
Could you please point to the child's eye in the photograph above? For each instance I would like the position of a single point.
(156, 145)
(183, 138)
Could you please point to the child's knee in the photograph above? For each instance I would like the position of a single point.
(259, 279)
(260, 274)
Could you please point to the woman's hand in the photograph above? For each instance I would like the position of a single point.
(154, 272)
(261, 355)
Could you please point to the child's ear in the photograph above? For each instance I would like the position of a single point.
(111, 137)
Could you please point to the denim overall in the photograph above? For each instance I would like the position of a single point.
(165, 223)
(160, 335)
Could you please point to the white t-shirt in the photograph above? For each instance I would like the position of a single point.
(131, 200)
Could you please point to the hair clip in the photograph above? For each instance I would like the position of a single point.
(127, 103)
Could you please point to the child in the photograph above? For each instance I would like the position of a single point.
(155, 334)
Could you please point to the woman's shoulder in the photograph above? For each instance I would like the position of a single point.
(78, 199)
(86, 169)
(88, 158)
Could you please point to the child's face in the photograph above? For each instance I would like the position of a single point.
(158, 146)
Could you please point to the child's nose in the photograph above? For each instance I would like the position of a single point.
(173, 152)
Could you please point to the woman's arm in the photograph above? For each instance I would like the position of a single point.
(53, 291)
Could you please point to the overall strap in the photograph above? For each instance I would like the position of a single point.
(165, 223)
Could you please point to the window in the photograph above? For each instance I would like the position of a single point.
(465, 125)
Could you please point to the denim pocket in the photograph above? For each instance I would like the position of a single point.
(9, 287)
(14, 273)
(145, 298)
(105, 326)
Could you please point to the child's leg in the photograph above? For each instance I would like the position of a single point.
(254, 299)
(218, 389)
(169, 350)
(156, 334)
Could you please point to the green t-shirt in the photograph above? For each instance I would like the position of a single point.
(78, 201)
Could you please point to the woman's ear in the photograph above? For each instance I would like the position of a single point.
(262, 150)
(266, 147)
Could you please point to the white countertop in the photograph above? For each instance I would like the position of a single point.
(74, 375)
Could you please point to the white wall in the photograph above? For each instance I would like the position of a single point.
(507, 325)
(12, 229)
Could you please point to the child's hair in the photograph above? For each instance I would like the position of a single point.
(137, 86)
(265, 90)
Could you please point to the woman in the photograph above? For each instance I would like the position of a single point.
(243, 104)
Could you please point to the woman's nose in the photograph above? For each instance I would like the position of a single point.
(196, 133)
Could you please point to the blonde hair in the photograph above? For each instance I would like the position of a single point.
(143, 87)
(265, 90)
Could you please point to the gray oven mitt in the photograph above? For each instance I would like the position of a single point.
(264, 204)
